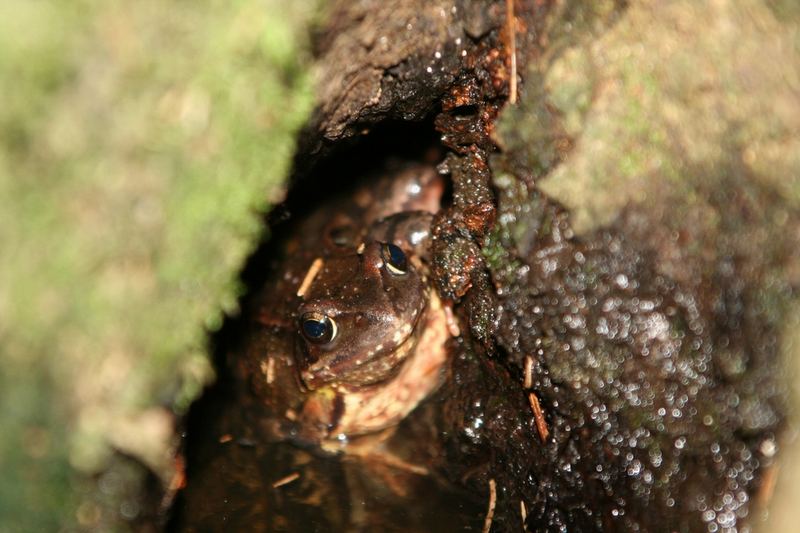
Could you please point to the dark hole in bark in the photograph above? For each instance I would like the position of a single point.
(339, 172)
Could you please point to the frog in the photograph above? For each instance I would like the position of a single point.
(348, 335)
(324, 424)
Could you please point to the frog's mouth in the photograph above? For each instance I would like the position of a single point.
(349, 374)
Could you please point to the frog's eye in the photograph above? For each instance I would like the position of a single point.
(394, 259)
(318, 328)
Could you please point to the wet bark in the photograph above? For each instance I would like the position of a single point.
(648, 333)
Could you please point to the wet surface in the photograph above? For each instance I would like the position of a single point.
(237, 482)
(593, 390)
(249, 464)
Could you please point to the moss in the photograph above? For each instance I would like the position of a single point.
(666, 96)
(140, 143)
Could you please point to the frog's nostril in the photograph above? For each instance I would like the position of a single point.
(342, 236)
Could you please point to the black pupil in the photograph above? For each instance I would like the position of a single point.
(395, 257)
(317, 329)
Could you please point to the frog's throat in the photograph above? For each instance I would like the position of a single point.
(375, 408)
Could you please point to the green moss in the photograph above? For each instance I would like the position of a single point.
(670, 88)
(140, 143)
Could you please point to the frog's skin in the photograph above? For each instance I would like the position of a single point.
(390, 327)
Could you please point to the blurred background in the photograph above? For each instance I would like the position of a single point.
(140, 142)
(140, 145)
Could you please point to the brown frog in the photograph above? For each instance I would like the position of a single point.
(350, 335)
(344, 340)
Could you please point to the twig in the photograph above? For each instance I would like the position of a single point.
(538, 417)
(767, 489)
(316, 266)
(286, 480)
(268, 369)
(487, 522)
(527, 383)
(523, 511)
(512, 45)
(393, 461)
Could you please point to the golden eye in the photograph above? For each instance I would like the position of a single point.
(394, 259)
(318, 328)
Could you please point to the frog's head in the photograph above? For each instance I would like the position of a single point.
(358, 320)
